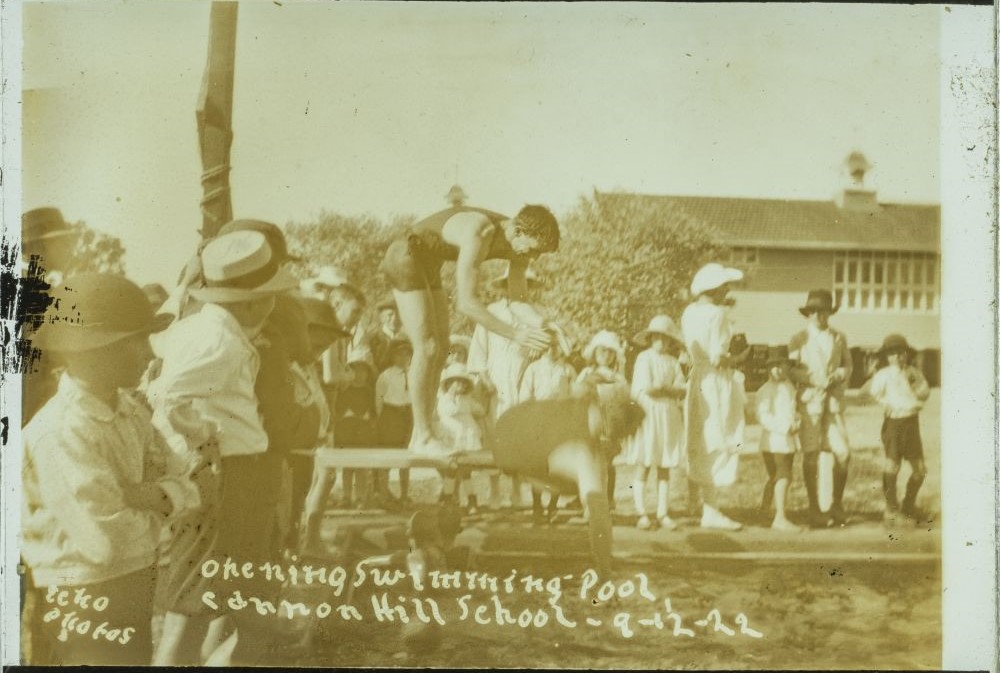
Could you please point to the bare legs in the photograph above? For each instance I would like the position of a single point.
(424, 314)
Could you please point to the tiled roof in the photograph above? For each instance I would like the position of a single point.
(780, 223)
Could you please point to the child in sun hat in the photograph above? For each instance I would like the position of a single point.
(714, 405)
(461, 415)
(777, 413)
(901, 390)
(99, 482)
(659, 386)
(605, 358)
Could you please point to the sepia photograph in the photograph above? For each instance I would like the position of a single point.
(499, 335)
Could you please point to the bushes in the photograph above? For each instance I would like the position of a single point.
(621, 260)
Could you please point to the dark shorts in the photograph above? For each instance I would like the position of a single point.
(409, 267)
(778, 465)
(395, 426)
(901, 439)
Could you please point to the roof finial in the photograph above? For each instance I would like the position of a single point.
(857, 165)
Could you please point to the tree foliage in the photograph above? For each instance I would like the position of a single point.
(96, 251)
(622, 259)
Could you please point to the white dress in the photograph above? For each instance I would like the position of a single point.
(714, 408)
(460, 416)
(660, 439)
(500, 361)
(776, 412)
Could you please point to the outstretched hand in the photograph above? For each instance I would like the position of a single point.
(534, 339)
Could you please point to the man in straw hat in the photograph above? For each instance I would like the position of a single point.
(210, 365)
(413, 264)
(715, 398)
(98, 479)
(901, 390)
(823, 376)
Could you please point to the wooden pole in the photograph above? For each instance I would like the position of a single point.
(215, 119)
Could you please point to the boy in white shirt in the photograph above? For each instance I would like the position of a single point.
(901, 389)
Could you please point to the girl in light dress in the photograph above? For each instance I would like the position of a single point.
(658, 385)
(605, 357)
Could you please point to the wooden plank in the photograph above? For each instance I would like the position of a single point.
(384, 459)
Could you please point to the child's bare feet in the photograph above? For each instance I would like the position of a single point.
(785, 525)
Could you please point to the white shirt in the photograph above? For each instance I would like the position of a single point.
(209, 362)
(776, 412)
(80, 458)
(707, 332)
(901, 392)
(391, 388)
(546, 379)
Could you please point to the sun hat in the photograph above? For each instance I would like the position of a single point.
(240, 266)
(777, 355)
(818, 300)
(661, 324)
(896, 343)
(712, 276)
(604, 339)
(93, 310)
(43, 224)
(456, 371)
(272, 232)
(530, 275)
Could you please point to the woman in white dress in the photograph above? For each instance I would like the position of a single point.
(658, 385)
(715, 400)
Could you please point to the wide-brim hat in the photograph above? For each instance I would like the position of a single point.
(662, 325)
(93, 310)
(455, 372)
(604, 339)
(896, 343)
(43, 224)
(272, 232)
(712, 276)
(386, 304)
(818, 300)
(777, 356)
(240, 266)
(530, 275)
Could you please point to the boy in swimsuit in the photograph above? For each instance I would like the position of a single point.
(468, 236)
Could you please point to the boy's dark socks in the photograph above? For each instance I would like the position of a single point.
(889, 489)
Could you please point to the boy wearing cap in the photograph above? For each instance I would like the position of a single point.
(387, 330)
(468, 236)
(98, 480)
(902, 390)
(777, 413)
(822, 378)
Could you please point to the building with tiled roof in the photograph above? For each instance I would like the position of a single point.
(880, 260)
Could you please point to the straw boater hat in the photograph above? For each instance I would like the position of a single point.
(818, 300)
(240, 266)
(93, 310)
(896, 343)
(272, 232)
(530, 275)
(43, 224)
(662, 325)
(712, 276)
(456, 371)
(604, 339)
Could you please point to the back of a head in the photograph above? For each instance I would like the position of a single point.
(539, 223)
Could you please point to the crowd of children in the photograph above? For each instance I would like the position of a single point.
(176, 429)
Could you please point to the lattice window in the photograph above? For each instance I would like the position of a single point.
(886, 281)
